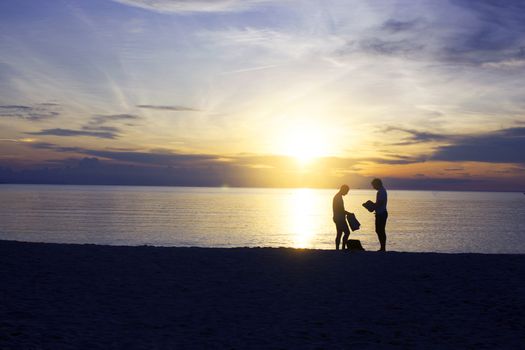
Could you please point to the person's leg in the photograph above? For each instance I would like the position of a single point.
(345, 240)
(338, 238)
(346, 232)
(381, 230)
(383, 226)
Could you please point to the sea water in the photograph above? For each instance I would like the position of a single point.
(419, 221)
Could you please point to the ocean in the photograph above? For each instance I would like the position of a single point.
(419, 221)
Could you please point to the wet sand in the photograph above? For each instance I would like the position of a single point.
(55, 296)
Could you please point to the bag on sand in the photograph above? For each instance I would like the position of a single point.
(353, 222)
(354, 244)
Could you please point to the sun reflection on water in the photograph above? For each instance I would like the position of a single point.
(303, 217)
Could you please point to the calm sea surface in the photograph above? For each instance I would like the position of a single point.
(234, 217)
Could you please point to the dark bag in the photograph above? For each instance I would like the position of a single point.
(353, 222)
(354, 244)
(369, 205)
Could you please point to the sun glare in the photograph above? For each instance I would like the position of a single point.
(305, 144)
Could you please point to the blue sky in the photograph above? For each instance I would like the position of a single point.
(267, 93)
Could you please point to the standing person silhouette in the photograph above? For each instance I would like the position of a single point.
(381, 212)
(339, 217)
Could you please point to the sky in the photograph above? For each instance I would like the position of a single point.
(423, 94)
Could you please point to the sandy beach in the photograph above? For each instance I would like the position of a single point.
(55, 296)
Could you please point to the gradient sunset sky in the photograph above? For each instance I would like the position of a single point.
(425, 94)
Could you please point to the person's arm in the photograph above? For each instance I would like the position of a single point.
(343, 207)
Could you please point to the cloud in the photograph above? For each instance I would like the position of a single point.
(403, 47)
(101, 119)
(111, 129)
(397, 159)
(92, 170)
(455, 169)
(54, 147)
(506, 64)
(34, 113)
(454, 33)
(96, 125)
(169, 158)
(164, 167)
(417, 136)
(19, 140)
(188, 6)
(169, 108)
(490, 32)
(502, 146)
(70, 132)
(268, 47)
(250, 69)
(396, 26)
(156, 157)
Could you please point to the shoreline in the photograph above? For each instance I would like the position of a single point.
(292, 249)
(108, 297)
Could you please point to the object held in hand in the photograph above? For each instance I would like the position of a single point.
(353, 222)
(369, 205)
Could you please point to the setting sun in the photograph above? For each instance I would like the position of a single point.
(305, 143)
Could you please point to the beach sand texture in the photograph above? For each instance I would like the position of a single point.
(55, 296)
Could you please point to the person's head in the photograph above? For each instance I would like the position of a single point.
(377, 183)
(344, 190)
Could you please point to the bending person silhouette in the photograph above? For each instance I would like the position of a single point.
(381, 213)
(339, 218)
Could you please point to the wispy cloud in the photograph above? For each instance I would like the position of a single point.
(506, 64)
(250, 69)
(397, 26)
(185, 6)
(20, 140)
(418, 136)
(96, 126)
(111, 129)
(454, 169)
(459, 32)
(35, 113)
(396, 159)
(158, 158)
(101, 119)
(169, 108)
(55, 147)
(154, 157)
(270, 46)
(70, 132)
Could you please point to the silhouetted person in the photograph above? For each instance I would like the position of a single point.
(381, 212)
(339, 218)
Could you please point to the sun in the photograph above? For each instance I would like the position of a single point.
(305, 144)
